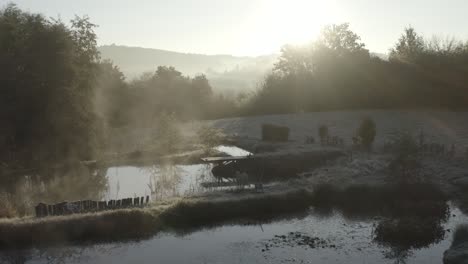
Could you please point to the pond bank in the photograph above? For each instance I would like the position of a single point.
(136, 224)
(218, 208)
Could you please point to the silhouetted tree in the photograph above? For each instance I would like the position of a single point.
(409, 47)
(47, 90)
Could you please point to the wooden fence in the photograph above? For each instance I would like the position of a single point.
(86, 206)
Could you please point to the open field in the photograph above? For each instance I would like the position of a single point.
(444, 127)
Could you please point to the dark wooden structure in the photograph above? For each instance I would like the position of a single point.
(87, 206)
(236, 171)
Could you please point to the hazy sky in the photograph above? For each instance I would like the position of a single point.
(253, 27)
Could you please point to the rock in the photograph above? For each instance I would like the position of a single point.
(457, 254)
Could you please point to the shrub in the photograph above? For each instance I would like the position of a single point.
(366, 133)
(405, 165)
(323, 133)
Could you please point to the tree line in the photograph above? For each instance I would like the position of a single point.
(58, 98)
(337, 72)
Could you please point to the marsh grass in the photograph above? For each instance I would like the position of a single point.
(7, 209)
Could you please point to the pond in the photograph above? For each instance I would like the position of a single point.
(159, 181)
(163, 180)
(314, 238)
(76, 183)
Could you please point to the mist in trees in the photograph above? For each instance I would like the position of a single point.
(47, 88)
(337, 72)
(60, 102)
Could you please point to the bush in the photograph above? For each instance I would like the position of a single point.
(366, 133)
(405, 165)
(323, 133)
(274, 133)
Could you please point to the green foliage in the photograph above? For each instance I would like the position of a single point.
(366, 133)
(47, 95)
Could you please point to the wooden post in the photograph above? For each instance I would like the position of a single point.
(142, 199)
(147, 198)
(41, 210)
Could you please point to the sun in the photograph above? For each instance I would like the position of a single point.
(279, 22)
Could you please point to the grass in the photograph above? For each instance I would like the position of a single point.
(136, 224)
(107, 226)
(190, 215)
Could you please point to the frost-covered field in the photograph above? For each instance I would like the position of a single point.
(444, 127)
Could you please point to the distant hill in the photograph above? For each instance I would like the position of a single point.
(226, 72)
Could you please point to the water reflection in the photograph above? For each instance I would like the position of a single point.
(159, 181)
(79, 182)
(407, 217)
(354, 241)
(67, 183)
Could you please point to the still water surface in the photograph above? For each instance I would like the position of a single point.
(344, 241)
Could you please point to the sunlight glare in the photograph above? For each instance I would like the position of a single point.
(289, 22)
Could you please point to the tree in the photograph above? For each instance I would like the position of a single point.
(340, 40)
(409, 47)
(335, 41)
(48, 91)
(114, 100)
(366, 133)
